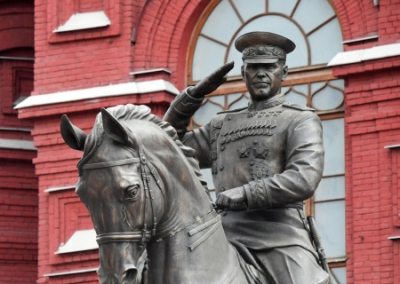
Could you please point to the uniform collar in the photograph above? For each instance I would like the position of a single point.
(268, 103)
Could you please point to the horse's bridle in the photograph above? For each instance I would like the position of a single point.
(143, 236)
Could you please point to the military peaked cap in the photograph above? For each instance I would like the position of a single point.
(263, 47)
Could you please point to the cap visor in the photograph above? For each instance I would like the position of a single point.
(261, 60)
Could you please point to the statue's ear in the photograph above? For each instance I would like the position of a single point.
(115, 130)
(72, 135)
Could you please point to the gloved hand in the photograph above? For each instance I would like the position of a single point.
(211, 82)
(233, 199)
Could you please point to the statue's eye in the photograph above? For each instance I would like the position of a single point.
(131, 193)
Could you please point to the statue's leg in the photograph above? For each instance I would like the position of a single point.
(291, 265)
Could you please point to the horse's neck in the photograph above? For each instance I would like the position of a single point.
(203, 257)
(185, 202)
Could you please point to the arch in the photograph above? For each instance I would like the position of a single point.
(305, 22)
(354, 20)
(163, 34)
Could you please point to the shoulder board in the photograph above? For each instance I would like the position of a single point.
(233, 110)
(296, 106)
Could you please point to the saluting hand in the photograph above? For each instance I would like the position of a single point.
(233, 199)
(211, 82)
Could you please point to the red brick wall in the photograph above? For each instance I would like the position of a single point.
(18, 183)
(372, 119)
(161, 32)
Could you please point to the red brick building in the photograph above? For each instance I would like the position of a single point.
(75, 57)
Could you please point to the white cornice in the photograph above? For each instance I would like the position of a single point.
(99, 92)
(360, 55)
(83, 21)
(17, 144)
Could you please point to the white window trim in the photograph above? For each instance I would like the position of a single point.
(123, 89)
(17, 144)
(81, 240)
(360, 55)
(83, 21)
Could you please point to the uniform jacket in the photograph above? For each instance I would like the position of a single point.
(275, 152)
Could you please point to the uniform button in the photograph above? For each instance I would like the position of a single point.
(222, 189)
(221, 168)
(222, 148)
(251, 163)
(255, 142)
(229, 117)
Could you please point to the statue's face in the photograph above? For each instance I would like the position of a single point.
(264, 80)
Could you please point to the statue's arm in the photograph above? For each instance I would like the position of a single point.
(186, 104)
(181, 110)
(303, 171)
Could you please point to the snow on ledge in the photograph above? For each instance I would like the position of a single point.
(356, 56)
(83, 21)
(80, 241)
(17, 144)
(99, 92)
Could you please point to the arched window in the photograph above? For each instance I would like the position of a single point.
(315, 29)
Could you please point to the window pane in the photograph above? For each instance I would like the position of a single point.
(327, 99)
(334, 146)
(218, 100)
(205, 61)
(340, 274)
(243, 102)
(330, 188)
(205, 113)
(295, 98)
(277, 7)
(208, 177)
(248, 11)
(311, 13)
(233, 97)
(217, 25)
(326, 42)
(210, 184)
(330, 220)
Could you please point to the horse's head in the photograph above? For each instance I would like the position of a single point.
(124, 181)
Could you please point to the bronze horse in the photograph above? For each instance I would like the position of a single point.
(154, 220)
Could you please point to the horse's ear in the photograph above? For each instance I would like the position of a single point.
(115, 130)
(72, 135)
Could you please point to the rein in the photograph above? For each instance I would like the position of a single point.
(144, 235)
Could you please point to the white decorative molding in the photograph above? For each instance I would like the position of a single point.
(71, 272)
(392, 146)
(99, 92)
(60, 188)
(360, 55)
(17, 144)
(375, 36)
(83, 21)
(80, 241)
(150, 71)
(395, 237)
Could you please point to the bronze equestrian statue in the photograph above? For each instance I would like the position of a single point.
(266, 159)
(148, 201)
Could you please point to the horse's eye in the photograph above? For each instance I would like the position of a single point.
(131, 193)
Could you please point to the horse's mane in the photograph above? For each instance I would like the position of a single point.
(129, 112)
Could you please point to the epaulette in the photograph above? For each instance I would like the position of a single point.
(298, 107)
(232, 110)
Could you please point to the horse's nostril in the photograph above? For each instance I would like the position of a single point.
(130, 275)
